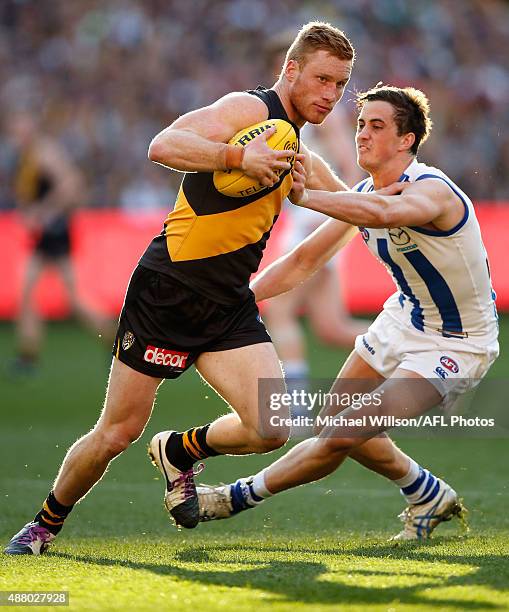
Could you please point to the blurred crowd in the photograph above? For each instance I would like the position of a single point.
(104, 77)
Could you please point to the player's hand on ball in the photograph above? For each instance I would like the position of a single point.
(299, 195)
(263, 163)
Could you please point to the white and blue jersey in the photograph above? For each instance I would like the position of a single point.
(442, 277)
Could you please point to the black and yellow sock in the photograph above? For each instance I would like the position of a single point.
(183, 449)
(52, 514)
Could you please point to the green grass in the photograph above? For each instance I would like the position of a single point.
(323, 546)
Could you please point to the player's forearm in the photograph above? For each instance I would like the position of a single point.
(323, 177)
(281, 276)
(300, 264)
(360, 209)
(186, 151)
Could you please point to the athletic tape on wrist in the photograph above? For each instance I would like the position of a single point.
(233, 157)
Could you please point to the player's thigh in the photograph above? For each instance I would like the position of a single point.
(244, 377)
(35, 266)
(358, 377)
(355, 377)
(65, 268)
(358, 369)
(129, 399)
(405, 395)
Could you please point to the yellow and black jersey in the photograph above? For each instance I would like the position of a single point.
(31, 183)
(212, 242)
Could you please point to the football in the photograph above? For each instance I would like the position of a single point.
(236, 184)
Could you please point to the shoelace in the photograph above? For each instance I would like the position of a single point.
(405, 515)
(33, 533)
(186, 478)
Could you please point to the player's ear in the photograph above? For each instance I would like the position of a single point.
(407, 141)
(291, 70)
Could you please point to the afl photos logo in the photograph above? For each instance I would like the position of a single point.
(128, 340)
(399, 236)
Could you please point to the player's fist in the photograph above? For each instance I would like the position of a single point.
(393, 189)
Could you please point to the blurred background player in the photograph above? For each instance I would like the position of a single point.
(319, 297)
(47, 187)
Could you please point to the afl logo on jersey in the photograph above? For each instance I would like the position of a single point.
(398, 236)
(449, 364)
(364, 233)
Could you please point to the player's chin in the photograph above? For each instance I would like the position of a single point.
(316, 115)
(363, 161)
(362, 153)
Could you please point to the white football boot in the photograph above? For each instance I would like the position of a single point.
(214, 502)
(420, 520)
(225, 501)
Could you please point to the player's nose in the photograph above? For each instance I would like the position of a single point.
(362, 134)
(330, 96)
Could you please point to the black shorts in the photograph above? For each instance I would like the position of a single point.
(164, 325)
(55, 240)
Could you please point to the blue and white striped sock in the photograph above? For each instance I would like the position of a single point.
(419, 485)
(246, 493)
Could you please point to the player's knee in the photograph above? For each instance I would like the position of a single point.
(271, 444)
(325, 334)
(262, 444)
(333, 335)
(115, 440)
(332, 445)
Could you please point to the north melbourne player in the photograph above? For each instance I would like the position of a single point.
(437, 334)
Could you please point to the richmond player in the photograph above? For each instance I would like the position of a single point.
(189, 298)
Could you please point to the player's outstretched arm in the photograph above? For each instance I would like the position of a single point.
(303, 261)
(318, 173)
(399, 204)
(197, 141)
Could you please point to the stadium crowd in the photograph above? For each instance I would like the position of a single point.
(104, 77)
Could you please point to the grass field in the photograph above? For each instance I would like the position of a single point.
(320, 547)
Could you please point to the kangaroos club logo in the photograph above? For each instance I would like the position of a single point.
(128, 340)
(449, 364)
(398, 236)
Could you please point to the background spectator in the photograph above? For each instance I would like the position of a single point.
(105, 77)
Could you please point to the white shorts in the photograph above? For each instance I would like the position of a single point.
(453, 365)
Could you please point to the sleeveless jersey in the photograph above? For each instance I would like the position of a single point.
(443, 277)
(213, 243)
(31, 184)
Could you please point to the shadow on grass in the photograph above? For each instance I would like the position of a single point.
(304, 581)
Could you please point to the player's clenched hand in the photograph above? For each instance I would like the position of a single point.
(393, 189)
(262, 163)
(298, 195)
